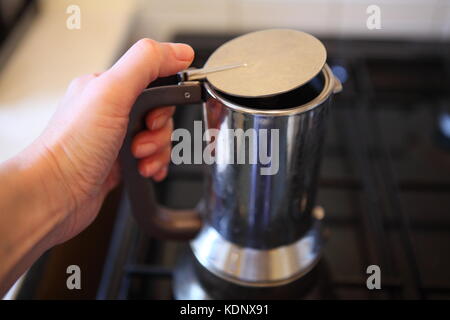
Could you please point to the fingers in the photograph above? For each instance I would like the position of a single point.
(153, 148)
(158, 118)
(142, 63)
(153, 145)
(151, 59)
(146, 143)
(154, 164)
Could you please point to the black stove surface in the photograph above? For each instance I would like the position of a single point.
(384, 183)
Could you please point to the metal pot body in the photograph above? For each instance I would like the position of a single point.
(260, 224)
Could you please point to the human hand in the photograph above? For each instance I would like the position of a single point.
(83, 139)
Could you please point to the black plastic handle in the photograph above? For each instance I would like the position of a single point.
(152, 218)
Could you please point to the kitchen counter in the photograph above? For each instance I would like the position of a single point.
(48, 56)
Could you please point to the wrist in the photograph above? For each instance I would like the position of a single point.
(34, 205)
(46, 190)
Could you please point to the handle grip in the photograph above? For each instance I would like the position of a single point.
(152, 218)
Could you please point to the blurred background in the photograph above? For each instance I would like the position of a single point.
(385, 182)
(47, 54)
(44, 54)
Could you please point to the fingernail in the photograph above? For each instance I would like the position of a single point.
(145, 149)
(159, 122)
(182, 51)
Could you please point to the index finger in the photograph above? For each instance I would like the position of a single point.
(141, 64)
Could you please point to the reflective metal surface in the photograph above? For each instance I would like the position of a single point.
(259, 228)
(257, 205)
(256, 267)
(193, 74)
(192, 281)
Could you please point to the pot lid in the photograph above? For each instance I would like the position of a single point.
(273, 61)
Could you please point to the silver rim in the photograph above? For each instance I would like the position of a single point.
(253, 267)
(331, 85)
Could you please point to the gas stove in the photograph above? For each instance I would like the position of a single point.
(384, 184)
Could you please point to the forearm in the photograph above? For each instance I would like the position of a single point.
(29, 212)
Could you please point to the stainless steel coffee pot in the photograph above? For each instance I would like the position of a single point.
(257, 224)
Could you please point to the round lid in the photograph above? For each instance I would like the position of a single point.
(274, 61)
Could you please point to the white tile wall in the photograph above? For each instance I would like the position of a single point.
(311, 17)
(400, 18)
(441, 23)
(160, 19)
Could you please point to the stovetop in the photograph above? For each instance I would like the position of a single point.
(384, 182)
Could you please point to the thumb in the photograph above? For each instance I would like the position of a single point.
(141, 64)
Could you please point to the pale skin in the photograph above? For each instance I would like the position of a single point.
(54, 189)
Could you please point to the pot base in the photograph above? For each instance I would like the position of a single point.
(193, 282)
(213, 268)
